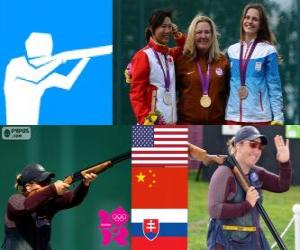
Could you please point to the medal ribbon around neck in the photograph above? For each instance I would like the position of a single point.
(204, 83)
(244, 62)
(166, 75)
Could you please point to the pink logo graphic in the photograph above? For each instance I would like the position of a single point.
(151, 228)
(112, 226)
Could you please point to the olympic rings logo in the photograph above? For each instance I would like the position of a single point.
(119, 217)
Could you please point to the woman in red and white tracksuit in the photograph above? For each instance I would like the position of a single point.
(152, 84)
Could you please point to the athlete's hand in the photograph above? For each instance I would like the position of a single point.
(283, 151)
(88, 178)
(61, 187)
(175, 31)
(252, 196)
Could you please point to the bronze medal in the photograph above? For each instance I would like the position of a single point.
(243, 93)
(167, 98)
(205, 101)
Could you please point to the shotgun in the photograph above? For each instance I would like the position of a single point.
(73, 55)
(230, 161)
(96, 168)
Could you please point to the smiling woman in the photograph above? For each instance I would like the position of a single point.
(255, 86)
(152, 83)
(203, 37)
(234, 220)
(202, 75)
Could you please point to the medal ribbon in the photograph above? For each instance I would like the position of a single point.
(166, 76)
(244, 61)
(204, 83)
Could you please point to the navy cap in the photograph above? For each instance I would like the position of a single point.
(34, 172)
(249, 133)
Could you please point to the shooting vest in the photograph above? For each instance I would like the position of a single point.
(241, 233)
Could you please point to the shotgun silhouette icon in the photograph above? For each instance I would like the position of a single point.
(28, 77)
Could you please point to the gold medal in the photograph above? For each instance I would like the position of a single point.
(243, 93)
(205, 101)
(167, 98)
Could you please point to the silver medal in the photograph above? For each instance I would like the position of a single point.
(167, 98)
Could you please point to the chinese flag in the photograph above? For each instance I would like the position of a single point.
(159, 187)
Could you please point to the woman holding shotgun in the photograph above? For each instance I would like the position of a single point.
(234, 220)
(29, 213)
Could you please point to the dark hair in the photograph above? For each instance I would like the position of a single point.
(157, 18)
(264, 33)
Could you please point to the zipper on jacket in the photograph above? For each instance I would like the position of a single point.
(260, 101)
(241, 110)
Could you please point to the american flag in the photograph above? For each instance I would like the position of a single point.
(159, 146)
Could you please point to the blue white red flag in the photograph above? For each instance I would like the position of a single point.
(157, 146)
(159, 228)
(159, 187)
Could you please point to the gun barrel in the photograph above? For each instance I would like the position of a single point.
(97, 168)
(72, 55)
(85, 53)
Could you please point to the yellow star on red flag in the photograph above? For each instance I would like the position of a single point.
(140, 177)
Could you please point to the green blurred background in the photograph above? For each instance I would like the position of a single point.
(131, 19)
(64, 150)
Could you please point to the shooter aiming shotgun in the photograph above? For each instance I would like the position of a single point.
(236, 189)
(29, 214)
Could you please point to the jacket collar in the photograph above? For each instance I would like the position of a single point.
(158, 47)
(249, 43)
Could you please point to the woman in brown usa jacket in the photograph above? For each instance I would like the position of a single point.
(202, 76)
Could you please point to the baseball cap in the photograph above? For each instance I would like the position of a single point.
(34, 172)
(249, 133)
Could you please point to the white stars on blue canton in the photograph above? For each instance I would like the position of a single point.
(142, 136)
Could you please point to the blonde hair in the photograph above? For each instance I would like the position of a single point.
(190, 48)
(18, 185)
(231, 148)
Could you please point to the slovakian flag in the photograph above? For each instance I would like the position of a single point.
(159, 229)
(159, 187)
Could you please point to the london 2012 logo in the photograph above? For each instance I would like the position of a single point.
(112, 226)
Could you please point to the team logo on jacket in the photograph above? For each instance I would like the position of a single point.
(254, 180)
(151, 228)
(219, 72)
(258, 66)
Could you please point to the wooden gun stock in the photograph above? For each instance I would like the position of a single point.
(233, 164)
(202, 155)
(241, 179)
(97, 168)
